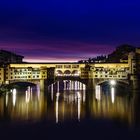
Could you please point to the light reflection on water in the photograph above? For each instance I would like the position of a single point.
(72, 103)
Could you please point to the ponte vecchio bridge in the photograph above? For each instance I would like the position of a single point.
(98, 72)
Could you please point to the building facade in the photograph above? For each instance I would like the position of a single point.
(9, 57)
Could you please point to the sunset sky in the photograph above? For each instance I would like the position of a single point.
(68, 30)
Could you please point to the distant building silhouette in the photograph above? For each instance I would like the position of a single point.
(121, 53)
(10, 57)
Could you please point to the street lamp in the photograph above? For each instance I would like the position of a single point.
(112, 82)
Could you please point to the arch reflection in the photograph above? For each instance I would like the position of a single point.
(71, 104)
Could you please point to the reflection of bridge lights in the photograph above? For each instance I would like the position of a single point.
(56, 113)
(57, 86)
(112, 95)
(113, 82)
(14, 96)
(6, 99)
(79, 105)
(84, 96)
(98, 92)
(78, 95)
(84, 87)
(57, 94)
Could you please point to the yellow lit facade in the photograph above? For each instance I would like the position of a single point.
(1, 75)
(41, 71)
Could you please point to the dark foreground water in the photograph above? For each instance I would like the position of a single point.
(73, 113)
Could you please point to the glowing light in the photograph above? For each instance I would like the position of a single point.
(78, 72)
(79, 106)
(98, 92)
(112, 95)
(56, 111)
(76, 83)
(78, 95)
(113, 82)
(56, 114)
(84, 87)
(6, 99)
(64, 85)
(57, 95)
(14, 96)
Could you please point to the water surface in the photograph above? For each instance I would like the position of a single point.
(71, 111)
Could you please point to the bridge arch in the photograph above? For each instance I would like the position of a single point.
(26, 82)
(67, 73)
(59, 73)
(100, 82)
(21, 84)
(75, 73)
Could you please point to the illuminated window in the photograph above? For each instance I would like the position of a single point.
(59, 66)
(67, 66)
(75, 66)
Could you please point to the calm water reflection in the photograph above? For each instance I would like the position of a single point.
(74, 103)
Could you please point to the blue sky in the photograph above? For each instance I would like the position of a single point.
(68, 29)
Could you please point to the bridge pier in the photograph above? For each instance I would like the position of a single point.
(134, 82)
(91, 84)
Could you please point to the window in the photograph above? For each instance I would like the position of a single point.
(67, 66)
(75, 66)
(59, 66)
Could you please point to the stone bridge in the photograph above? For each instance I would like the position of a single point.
(101, 72)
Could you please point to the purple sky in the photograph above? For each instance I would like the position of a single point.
(48, 50)
(60, 30)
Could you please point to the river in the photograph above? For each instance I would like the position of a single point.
(73, 112)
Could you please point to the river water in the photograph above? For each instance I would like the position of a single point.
(70, 112)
